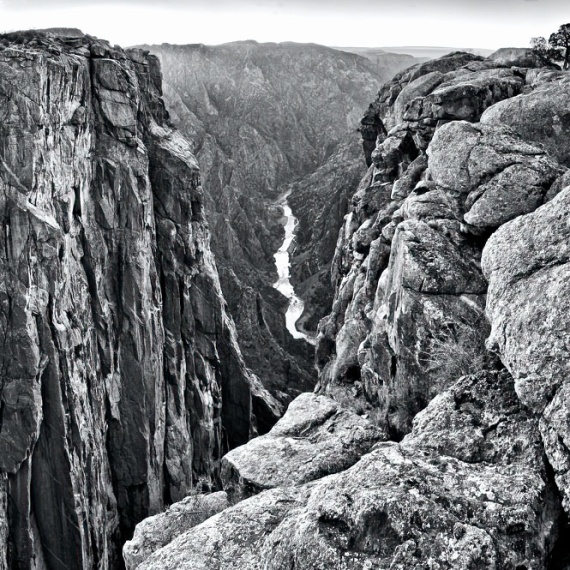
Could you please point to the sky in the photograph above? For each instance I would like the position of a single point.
(357, 23)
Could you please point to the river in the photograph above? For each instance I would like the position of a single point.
(283, 283)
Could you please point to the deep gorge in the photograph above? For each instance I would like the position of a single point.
(156, 412)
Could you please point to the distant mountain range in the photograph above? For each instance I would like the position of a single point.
(421, 52)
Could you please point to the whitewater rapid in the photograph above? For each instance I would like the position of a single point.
(283, 283)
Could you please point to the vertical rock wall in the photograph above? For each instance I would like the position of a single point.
(408, 315)
(121, 382)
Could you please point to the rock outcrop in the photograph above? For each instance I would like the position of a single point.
(408, 315)
(468, 488)
(121, 380)
(160, 530)
(315, 437)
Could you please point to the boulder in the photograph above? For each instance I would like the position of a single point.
(159, 530)
(316, 437)
(541, 116)
(515, 57)
(498, 175)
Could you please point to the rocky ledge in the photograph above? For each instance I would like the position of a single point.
(468, 488)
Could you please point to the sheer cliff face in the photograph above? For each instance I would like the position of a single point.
(121, 380)
(261, 116)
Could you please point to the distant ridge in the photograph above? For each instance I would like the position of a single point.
(421, 53)
(433, 52)
(66, 32)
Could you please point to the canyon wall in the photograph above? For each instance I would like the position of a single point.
(438, 433)
(122, 383)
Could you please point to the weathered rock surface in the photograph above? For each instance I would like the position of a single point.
(542, 115)
(408, 313)
(516, 57)
(315, 437)
(499, 176)
(526, 263)
(120, 368)
(158, 531)
(468, 488)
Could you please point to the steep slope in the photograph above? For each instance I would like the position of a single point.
(121, 380)
(261, 116)
(448, 336)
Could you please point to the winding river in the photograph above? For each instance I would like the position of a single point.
(283, 284)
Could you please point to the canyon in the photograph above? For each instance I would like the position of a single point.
(263, 119)
(436, 435)
(163, 406)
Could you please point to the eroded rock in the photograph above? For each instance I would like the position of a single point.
(526, 263)
(155, 532)
(315, 437)
(441, 498)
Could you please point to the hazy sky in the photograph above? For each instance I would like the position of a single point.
(456, 23)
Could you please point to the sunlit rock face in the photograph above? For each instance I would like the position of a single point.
(120, 366)
(409, 309)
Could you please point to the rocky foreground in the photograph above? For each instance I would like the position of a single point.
(439, 434)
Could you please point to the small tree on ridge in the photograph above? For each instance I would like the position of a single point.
(556, 49)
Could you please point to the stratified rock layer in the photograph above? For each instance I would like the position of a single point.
(119, 368)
